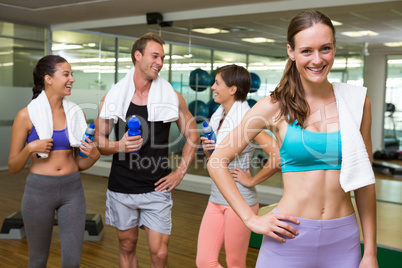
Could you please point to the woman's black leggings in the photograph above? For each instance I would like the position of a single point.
(43, 196)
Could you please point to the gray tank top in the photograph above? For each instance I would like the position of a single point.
(249, 194)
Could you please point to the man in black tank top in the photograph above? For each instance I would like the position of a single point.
(140, 183)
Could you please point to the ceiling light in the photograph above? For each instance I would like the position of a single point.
(91, 44)
(99, 71)
(257, 64)
(8, 52)
(395, 61)
(258, 40)
(89, 60)
(209, 30)
(360, 33)
(125, 60)
(174, 57)
(336, 23)
(393, 44)
(65, 47)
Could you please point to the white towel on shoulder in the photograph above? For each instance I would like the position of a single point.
(356, 169)
(162, 105)
(40, 114)
(232, 119)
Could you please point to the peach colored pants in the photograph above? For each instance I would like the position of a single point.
(220, 225)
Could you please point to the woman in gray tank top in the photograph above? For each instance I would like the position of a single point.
(220, 224)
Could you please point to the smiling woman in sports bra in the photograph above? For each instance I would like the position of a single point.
(314, 223)
(54, 182)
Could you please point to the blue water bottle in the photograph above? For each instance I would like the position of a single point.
(134, 128)
(209, 133)
(90, 132)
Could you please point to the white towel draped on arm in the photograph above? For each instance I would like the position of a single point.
(41, 117)
(356, 169)
(162, 105)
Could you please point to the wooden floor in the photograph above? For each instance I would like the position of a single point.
(187, 212)
(188, 209)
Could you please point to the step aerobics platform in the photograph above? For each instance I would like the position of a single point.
(13, 227)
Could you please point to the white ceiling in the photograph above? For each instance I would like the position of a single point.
(244, 18)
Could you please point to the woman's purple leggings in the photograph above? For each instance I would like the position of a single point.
(320, 243)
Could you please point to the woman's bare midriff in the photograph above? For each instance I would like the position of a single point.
(315, 195)
(59, 162)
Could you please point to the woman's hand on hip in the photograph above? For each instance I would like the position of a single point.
(273, 225)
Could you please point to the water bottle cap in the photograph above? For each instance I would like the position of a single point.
(90, 129)
(134, 123)
(207, 128)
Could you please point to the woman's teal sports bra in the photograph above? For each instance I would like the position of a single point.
(304, 150)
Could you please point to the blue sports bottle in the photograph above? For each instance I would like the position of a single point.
(89, 132)
(209, 133)
(134, 128)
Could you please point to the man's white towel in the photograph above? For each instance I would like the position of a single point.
(162, 105)
(356, 169)
(40, 114)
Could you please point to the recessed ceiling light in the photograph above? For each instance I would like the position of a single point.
(91, 44)
(393, 44)
(258, 40)
(65, 47)
(174, 57)
(359, 33)
(336, 23)
(395, 61)
(209, 30)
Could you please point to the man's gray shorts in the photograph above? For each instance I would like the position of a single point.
(153, 210)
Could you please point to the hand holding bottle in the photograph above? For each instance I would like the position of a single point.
(88, 137)
(134, 130)
(207, 144)
(210, 137)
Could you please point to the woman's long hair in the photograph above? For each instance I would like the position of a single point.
(290, 92)
(45, 66)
